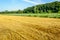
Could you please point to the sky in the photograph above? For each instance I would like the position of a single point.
(20, 4)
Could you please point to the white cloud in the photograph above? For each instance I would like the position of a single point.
(32, 2)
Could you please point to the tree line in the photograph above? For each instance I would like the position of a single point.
(52, 7)
(10, 12)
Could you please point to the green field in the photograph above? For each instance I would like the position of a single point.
(47, 15)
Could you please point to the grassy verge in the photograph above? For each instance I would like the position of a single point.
(48, 15)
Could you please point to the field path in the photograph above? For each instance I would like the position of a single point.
(29, 28)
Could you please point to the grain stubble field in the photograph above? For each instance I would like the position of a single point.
(29, 28)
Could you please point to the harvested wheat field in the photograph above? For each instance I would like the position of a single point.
(29, 28)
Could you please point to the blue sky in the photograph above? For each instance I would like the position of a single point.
(20, 4)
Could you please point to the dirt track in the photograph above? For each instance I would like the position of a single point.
(29, 28)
